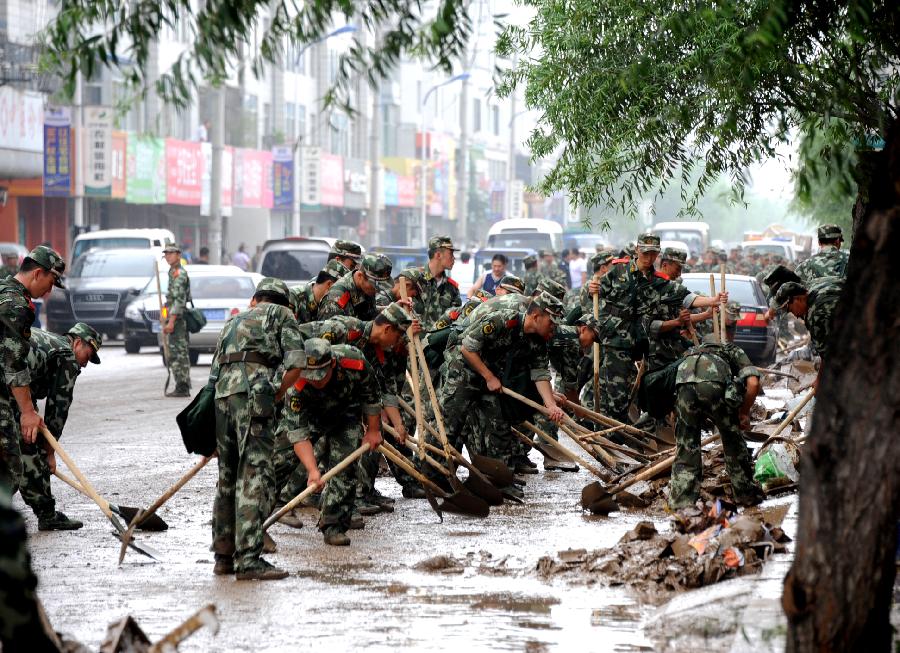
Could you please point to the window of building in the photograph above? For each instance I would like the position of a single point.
(495, 116)
(290, 121)
(267, 119)
(476, 115)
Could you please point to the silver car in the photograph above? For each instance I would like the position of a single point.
(220, 291)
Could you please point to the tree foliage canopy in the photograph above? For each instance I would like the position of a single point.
(88, 34)
(636, 94)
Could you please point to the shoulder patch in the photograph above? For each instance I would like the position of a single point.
(176, 272)
(624, 259)
(298, 386)
(328, 335)
(453, 282)
(441, 324)
(661, 275)
(295, 401)
(354, 334)
(487, 329)
(356, 364)
(342, 302)
(513, 323)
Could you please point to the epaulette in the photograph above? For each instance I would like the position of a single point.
(357, 364)
(379, 352)
(453, 282)
(299, 385)
(661, 275)
(176, 272)
(354, 334)
(624, 259)
(454, 315)
(342, 302)
(513, 323)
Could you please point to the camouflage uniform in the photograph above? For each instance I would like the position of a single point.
(334, 414)
(54, 370)
(8, 271)
(711, 384)
(552, 271)
(439, 294)
(178, 294)
(532, 276)
(304, 304)
(830, 261)
(346, 298)
(822, 300)
(498, 338)
(265, 335)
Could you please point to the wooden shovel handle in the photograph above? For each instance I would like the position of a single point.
(140, 518)
(538, 407)
(327, 476)
(600, 418)
(722, 316)
(596, 351)
(556, 446)
(85, 484)
(715, 315)
(414, 377)
(793, 414)
(75, 485)
(403, 462)
(653, 470)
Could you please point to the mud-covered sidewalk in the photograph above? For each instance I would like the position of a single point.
(375, 594)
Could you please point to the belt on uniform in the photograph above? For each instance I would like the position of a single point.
(248, 357)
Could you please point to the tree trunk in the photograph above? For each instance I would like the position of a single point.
(837, 596)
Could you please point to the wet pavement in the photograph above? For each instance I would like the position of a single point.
(370, 595)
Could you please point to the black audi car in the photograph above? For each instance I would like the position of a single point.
(100, 284)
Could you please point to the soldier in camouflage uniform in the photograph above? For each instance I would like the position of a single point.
(306, 298)
(630, 297)
(412, 278)
(551, 270)
(178, 294)
(347, 253)
(336, 392)
(830, 261)
(439, 291)
(473, 372)
(599, 265)
(717, 383)
(54, 363)
(532, 276)
(10, 265)
(40, 271)
(251, 347)
(354, 294)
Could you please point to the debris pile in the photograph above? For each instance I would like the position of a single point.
(709, 543)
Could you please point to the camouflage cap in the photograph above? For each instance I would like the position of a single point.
(397, 316)
(512, 283)
(50, 260)
(788, 291)
(274, 286)
(648, 243)
(549, 304)
(732, 312)
(829, 232)
(675, 255)
(629, 250)
(548, 285)
(441, 242)
(318, 359)
(546, 252)
(377, 268)
(481, 294)
(601, 258)
(172, 248)
(335, 269)
(529, 261)
(347, 248)
(90, 335)
(415, 276)
(591, 323)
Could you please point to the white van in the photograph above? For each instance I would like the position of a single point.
(693, 234)
(121, 239)
(525, 233)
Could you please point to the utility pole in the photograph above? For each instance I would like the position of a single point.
(511, 168)
(215, 180)
(375, 227)
(78, 216)
(462, 184)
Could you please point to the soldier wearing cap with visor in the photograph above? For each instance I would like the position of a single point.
(830, 260)
(54, 363)
(42, 269)
(347, 253)
(178, 294)
(439, 291)
(306, 298)
(354, 295)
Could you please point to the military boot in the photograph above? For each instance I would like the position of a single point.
(179, 392)
(262, 570)
(58, 522)
(334, 537)
(521, 465)
(269, 545)
(224, 565)
(356, 522)
(290, 518)
(364, 507)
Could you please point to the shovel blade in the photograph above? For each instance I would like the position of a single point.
(143, 549)
(152, 523)
(593, 494)
(434, 504)
(467, 504)
(498, 471)
(482, 488)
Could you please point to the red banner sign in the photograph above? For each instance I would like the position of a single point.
(332, 180)
(183, 173)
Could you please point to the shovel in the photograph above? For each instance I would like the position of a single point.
(563, 451)
(96, 498)
(490, 470)
(460, 502)
(125, 512)
(601, 501)
(600, 418)
(482, 488)
(327, 476)
(147, 516)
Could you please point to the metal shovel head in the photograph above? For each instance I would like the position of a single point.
(498, 471)
(480, 487)
(512, 493)
(152, 523)
(595, 498)
(434, 504)
(144, 549)
(466, 503)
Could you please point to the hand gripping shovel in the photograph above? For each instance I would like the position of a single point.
(155, 523)
(144, 517)
(327, 476)
(96, 498)
(601, 501)
(460, 502)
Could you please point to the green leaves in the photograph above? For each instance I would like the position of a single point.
(636, 95)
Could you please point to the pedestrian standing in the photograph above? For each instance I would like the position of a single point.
(240, 258)
(577, 269)
(178, 294)
(40, 271)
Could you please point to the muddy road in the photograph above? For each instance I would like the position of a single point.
(370, 595)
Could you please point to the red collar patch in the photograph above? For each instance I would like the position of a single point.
(353, 364)
(342, 302)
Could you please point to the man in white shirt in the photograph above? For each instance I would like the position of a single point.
(577, 269)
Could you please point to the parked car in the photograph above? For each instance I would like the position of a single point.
(9, 249)
(403, 257)
(220, 291)
(121, 239)
(296, 259)
(754, 333)
(99, 285)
